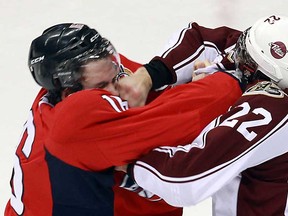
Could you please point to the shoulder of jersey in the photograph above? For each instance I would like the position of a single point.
(265, 88)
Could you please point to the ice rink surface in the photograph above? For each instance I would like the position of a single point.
(137, 28)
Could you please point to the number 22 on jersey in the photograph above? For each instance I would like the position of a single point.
(242, 128)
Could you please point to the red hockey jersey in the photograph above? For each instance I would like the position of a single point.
(93, 131)
(31, 193)
(30, 182)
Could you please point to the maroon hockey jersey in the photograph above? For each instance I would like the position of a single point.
(240, 159)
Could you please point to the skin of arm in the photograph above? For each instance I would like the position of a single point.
(135, 88)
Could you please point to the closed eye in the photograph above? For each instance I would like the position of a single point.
(102, 85)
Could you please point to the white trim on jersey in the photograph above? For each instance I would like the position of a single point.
(286, 208)
(178, 37)
(190, 190)
(185, 68)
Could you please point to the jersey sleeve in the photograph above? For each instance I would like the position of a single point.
(94, 130)
(197, 43)
(249, 134)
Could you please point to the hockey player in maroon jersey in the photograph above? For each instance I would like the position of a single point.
(90, 130)
(241, 157)
(189, 45)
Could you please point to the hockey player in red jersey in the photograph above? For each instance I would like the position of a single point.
(88, 129)
(241, 157)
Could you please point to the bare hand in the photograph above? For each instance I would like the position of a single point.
(197, 65)
(201, 64)
(135, 88)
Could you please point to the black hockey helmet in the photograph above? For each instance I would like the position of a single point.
(56, 55)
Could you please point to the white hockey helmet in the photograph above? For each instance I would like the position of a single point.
(267, 42)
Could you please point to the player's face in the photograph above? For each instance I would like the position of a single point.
(101, 74)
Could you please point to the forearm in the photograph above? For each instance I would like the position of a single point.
(197, 43)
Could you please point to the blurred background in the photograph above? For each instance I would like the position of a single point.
(137, 28)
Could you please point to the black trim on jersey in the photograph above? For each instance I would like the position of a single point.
(159, 74)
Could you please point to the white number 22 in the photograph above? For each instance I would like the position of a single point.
(231, 121)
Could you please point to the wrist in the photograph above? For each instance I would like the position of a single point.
(159, 73)
(144, 77)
